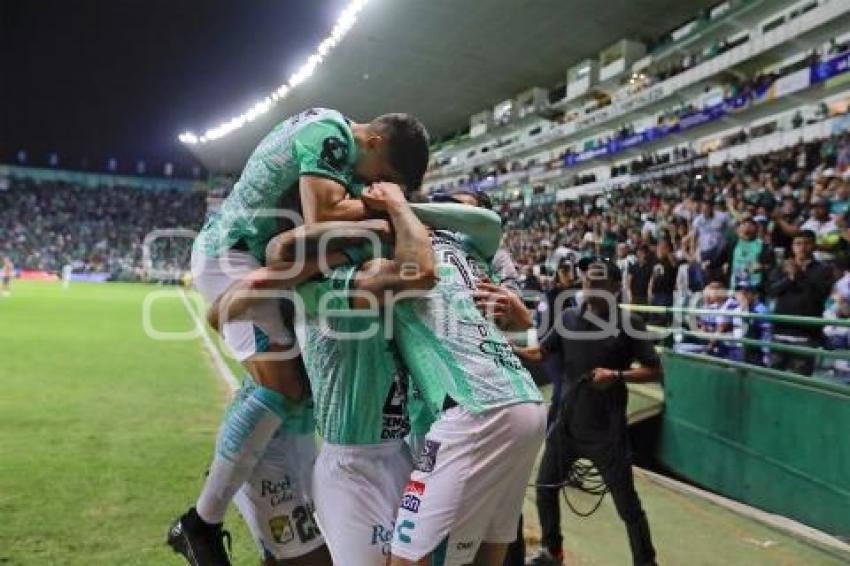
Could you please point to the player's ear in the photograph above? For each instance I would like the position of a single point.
(375, 142)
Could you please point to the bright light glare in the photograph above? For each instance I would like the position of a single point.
(344, 23)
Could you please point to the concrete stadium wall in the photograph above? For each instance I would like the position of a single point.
(772, 440)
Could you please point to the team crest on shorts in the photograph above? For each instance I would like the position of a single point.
(281, 528)
(427, 459)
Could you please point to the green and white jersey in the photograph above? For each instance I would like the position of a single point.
(359, 384)
(450, 348)
(315, 142)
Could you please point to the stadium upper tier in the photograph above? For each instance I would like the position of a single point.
(443, 61)
(741, 54)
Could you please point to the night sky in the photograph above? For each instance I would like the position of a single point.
(93, 79)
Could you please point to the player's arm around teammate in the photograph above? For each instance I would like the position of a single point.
(284, 268)
(411, 267)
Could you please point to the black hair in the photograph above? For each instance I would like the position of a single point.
(808, 234)
(407, 146)
(610, 271)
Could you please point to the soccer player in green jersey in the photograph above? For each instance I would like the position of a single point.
(358, 381)
(359, 387)
(464, 497)
(315, 161)
(463, 500)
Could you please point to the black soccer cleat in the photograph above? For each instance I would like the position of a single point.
(544, 558)
(200, 543)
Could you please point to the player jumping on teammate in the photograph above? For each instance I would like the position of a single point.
(314, 160)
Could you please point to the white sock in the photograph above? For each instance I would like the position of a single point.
(249, 425)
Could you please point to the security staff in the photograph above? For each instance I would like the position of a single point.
(598, 344)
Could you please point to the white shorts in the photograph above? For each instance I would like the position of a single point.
(262, 325)
(357, 491)
(469, 482)
(277, 503)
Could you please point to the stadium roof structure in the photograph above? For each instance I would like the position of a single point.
(444, 60)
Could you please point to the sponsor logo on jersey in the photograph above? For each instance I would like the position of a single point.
(415, 487)
(411, 503)
(281, 528)
(383, 537)
(427, 459)
(501, 353)
(334, 153)
(394, 419)
(403, 528)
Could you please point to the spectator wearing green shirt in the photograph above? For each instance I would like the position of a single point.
(750, 257)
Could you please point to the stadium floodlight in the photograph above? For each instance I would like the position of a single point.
(343, 25)
(188, 138)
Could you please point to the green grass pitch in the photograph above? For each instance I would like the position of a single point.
(105, 433)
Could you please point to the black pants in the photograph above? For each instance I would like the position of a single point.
(516, 550)
(617, 473)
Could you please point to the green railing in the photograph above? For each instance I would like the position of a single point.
(785, 318)
(727, 337)
(770, 438)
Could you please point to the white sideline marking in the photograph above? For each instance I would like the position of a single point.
(784, 524)
(221, 367)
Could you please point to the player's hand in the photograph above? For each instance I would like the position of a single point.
(604, 376)
(383, 196)
(791, 268)
(531, 354)
(502, 306)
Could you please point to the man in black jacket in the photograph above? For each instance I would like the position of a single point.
(800, 286)
(597, 344)
(638, 276)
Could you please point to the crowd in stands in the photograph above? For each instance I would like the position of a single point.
(47, 226)
(769, 234)
(738, 86)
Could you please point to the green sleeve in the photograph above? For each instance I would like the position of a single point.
(336, 286)
(325, 148)
(358, 255)
(482, 227)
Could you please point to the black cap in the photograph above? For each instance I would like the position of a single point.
(611, 271)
